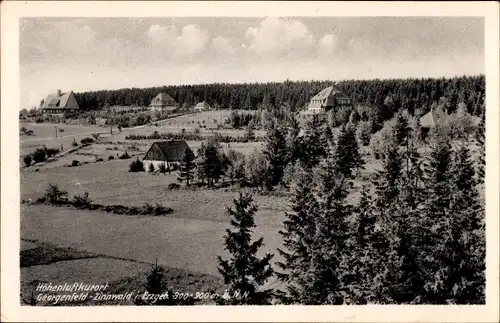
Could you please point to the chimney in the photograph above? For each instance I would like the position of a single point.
(58, 93)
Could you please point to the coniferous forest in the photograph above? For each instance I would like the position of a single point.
(409, 94)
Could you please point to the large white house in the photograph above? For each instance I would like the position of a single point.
(163, 102)
(326, 100)
(58, 103)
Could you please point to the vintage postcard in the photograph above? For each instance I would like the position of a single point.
(244, 161)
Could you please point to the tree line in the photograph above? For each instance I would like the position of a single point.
(394, 94)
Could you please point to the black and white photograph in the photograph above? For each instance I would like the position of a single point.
(274, 159)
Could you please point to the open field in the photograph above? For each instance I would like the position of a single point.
(121, 275)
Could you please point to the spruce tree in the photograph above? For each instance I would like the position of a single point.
(325, 277)
(276, 154)
(311, 145)
(298, 235)
(186, 171)
(436, 215)
(293, 139)
(347, 156)
(462, 276)
(244, 273)
(360, 264)
(480, 141)
(211, 162)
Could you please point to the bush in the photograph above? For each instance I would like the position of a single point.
(51, 151)
(27, 160)
(98, 160)
(111, 157)
(75, 163)
(54, 195)
(82, 201)
(151, 168)
(125, 155)
(86, 141)
(39, 155)
(96, 136)
(173, 186)
(136, 166)
(162, 168)
(74, 143)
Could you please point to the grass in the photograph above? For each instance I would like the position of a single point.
(122, 276)
(45, 253)
(189, 244)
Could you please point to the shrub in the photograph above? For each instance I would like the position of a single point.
(111, 157)
(27, 160)
(61, 129)
(147, 209)
(54, 195)
(99, 160)
(39, 155)
(75, 163)
(197, 131)
(136, 166)
(162, 168)
(86, 141)
(74, 143)
(151, 168)
(96, 136)
(173, 186)
(125, 155)
(82, 201)
(51, 151)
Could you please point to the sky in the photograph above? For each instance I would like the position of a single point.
(82, 54)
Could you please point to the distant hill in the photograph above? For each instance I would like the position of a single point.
(394, 94)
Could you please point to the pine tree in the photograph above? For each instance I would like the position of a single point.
(387, 178)
(244, 273)
(156, 284)
(311, 145)
(186, 171)
(436, 215)
(211, 162)
(275, 152)
(347, 156)
(400, 125)
(298, 233)
(360, 264)
(325, 276)
(462, 276)
(480, 132)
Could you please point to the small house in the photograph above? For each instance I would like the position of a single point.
(168, 153)
(58, 103)
(163, 102)
(202, 106)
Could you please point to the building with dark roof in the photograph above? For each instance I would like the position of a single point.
(165, 152)
(58, 103)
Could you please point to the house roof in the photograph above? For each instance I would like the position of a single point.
(60, 102)
(203, 104)
(164, 96)
(172, 150)
(325, 93)
(428, 120)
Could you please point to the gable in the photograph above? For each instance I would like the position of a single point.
(171, 151)
(154, 153)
